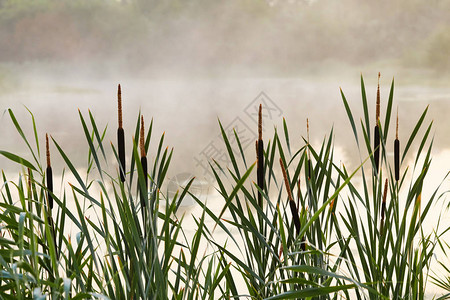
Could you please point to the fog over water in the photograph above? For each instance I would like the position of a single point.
(186, 65)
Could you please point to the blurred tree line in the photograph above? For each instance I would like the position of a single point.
(281, 33)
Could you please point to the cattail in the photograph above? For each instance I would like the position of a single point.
(260, 158)
(294, 212)
(397, 153)
(49, 192)
(121, 135)
(309, 169)
(377, 130)
(383, 206)
(49, 175)
(143, 159)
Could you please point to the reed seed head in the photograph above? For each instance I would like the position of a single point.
(286, 181)
(260, 122)
(385, 190)
(47, 150)
(378, 100)
(307, 136)
(142, 138)
(119, 105)
(396, 128)
(307, 129)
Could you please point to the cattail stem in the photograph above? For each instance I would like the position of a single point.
(260, 159)
(121, 136)
(397, 153)
(383, 206)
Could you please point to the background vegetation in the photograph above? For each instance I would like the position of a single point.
(275, 37)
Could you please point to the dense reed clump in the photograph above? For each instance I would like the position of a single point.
(120, 135)
(113, 253)
(394, 252)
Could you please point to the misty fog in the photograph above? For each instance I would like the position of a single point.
(189, 64)
(212, 59)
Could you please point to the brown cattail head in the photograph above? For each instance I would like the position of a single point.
(307, 136)
(119, 105)
(47, 150)
(142, 138)
(294, 211)
(260, 123)
(307, 129)
(385, 190)
(378, 100)
(286, 181)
